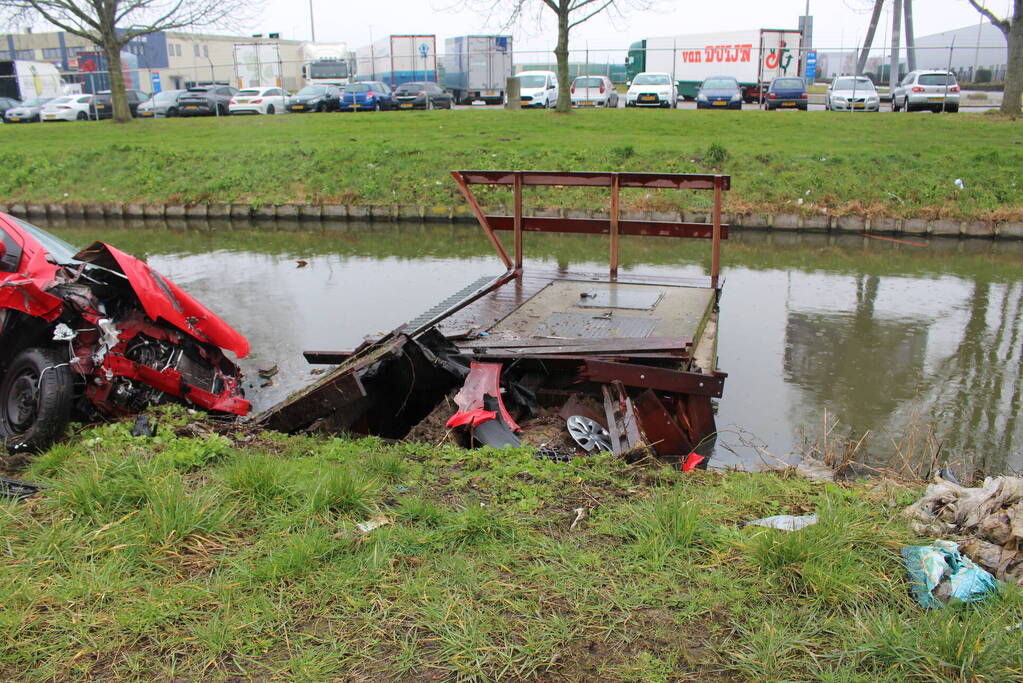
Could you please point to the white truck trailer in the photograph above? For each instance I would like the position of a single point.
(398, 59)
(752, 57)
(327, 63)
(26, 80)
(477, 68)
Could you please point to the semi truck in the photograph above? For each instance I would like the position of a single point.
(398, 59)
(26, 80)
(327, 63)
(257, 65)
(477, 67)
(752, 57)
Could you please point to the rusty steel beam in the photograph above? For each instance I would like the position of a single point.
(715, 253)
(614, 223)
(661, 430)
(481, 217)
(661, 379)
(668, 181)
(602, 226)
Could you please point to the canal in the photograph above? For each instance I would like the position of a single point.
(916, 350)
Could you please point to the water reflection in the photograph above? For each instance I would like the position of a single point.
(883, 336)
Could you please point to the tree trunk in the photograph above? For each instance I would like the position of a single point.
(1014, 69)
(561, 52)
(118, 96)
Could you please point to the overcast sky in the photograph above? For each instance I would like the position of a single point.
(837, 23)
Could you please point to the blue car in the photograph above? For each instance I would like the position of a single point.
(719, 92)
(367, 96)
(787, 93)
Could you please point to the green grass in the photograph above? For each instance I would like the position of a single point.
(788, 162)
(143, 560)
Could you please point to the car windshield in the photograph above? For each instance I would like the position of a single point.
(311, 91)
(412, 87)
(788, 83)
(852, 84)
(651, 79)
(357, 87)
(37, 102)
(533, 81)
(84, 99)
(202, 89)
(936, 79)
(587, 83)
(166, 96)
(248, 93)
(61, 251)
(60, 100)
(720, 84)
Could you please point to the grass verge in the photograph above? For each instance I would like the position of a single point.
(788, 162)
(196, 555)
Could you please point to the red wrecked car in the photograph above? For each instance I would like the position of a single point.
(99, 333)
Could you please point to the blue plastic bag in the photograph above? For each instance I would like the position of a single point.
(940, 572)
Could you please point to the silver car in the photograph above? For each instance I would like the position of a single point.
(594, 91)
(162, 104)
(852, 93)
(934, 90)
(26, 112)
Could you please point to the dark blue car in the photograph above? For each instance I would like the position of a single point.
(787, 93)
(719, 92)
(367, 95)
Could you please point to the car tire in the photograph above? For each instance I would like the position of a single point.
(35, 400)
(429, 104)
(952, 109)
(82, 116)
(171, 112)
(376, 106)
(905, 105)
(270, 109)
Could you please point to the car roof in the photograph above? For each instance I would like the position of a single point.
(536, 73)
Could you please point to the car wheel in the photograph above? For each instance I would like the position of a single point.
(82, 116)
(171, 112)
(376, 106)
(905, 105)
(952, 109)
(269, 109)
(35, 400)
(429, 104)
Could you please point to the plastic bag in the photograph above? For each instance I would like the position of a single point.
(785, 522)
(939, 573)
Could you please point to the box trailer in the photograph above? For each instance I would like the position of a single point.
(477, 67)
(26, 80)
(398, 59)
(752, 57)
(258, 65)
(327, 63)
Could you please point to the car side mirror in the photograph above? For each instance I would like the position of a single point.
(551, 86)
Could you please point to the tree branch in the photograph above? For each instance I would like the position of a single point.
(595, 12)
(1002, 24)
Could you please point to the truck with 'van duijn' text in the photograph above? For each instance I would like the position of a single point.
(751, 57)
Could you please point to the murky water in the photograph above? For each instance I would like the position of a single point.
(919, 346)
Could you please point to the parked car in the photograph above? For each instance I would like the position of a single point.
(593, 91)
(538, 88)
(652, 89)
(422, 95)
(315, 98)
(206, 100)
(162, 104)
(934, 90)
(852, 92)
(374, 95)
(67, 108)
(719, 92)
(787, 93)
(26, 112)
(7, 103)
(102, 106)
(97, 332)
(260, 101)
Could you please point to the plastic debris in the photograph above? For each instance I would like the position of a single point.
(939, 573)
(580, 515)
(785, 522)
(143, 426)
(691, 461)
(372, 523)
(958, 182)
(987, 520)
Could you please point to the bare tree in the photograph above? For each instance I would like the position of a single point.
(112, 24)
(1012, 29)
(569, 14)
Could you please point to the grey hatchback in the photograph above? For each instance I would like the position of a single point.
(934, 90)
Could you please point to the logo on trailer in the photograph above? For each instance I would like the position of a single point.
(424, 50)
(779, 58)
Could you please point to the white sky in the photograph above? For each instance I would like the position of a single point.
(837, 23)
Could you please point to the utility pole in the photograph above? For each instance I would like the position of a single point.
(312, 24)
(893, 74)
(875, 16)
(910, 37)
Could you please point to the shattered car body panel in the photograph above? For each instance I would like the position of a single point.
(129, 336)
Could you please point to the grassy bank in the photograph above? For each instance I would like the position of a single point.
(789, 162)
(194, 555)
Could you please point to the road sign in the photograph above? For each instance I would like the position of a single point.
(811, 65)
(156, 82)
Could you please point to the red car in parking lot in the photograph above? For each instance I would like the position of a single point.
(97, 332)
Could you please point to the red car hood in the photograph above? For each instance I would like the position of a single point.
(161, 298)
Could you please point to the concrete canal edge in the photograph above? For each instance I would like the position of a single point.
(885, 225)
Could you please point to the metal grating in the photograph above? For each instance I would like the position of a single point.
(582, 326)
(636, 299)
(451, 301)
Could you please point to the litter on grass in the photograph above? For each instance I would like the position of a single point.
(939, 573)
(372, 523)
(987, 520)
(785, 522)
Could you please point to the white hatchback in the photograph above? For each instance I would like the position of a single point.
(538, 88)
(652, 89)
(259, 101)
(67, 108)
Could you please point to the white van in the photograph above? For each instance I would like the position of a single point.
(538, 88)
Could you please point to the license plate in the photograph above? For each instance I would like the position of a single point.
(101, 106)
(298, 106)
(14, 118)
(648, 98)
(859, 105)
(355, 106)
(242, 102)
(490, 93)
(406, 105)
(51, 116)
(720, 103)
(935, 99)
(191, 106)
(147, 114)
(788, 104)
(588, 103)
